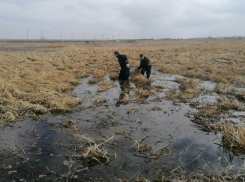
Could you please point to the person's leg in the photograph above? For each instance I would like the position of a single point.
(127, 86)
(148, 72)
(121, 84)
(142, 71)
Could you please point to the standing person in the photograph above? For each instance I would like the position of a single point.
(145, 66)
(125, 70)
(123, 76)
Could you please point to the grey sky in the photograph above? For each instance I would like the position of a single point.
(124, 18)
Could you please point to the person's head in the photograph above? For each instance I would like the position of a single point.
(142, 56)
(116, 53)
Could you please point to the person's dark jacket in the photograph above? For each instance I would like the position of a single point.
(123, 61)
(124, 64)
(145, 63)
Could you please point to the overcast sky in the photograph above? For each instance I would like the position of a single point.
(121, 18)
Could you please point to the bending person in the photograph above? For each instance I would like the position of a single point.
(145, 66)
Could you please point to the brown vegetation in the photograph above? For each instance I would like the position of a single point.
(188, 90)
(142, 94)
(234, 136)
(93, 150)
(41, 82)
(141, 80)
(100, 100)
(230, 104)
(209, 112)
(104, 86)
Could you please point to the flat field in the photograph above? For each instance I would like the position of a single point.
(63, 116)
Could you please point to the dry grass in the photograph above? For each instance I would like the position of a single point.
(168, 69)
(126, 99)
(156, 108)
(41, 82)
(134, 63)
(225, 88)
(172, 94)
(98, 75)
(70, 124)
(114, 76)
(93, 150)
(100, 100)
(141, 80)
(230, 104)
(209, 112)
(104, 86)
(234, 135)
(142, 94)
(114, 73)
(188, 90)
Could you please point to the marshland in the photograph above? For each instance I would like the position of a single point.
(63, 116)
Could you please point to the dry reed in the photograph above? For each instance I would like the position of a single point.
(234, 135)
(141, 80)
(104, 86)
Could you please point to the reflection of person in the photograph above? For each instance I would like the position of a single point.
(123, 76)
(145, 66)
(125, 70)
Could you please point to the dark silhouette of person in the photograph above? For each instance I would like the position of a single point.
(124, 74)
(145, 66)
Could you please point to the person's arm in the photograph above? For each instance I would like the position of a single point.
(140, 65)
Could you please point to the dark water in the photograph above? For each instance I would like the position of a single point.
(40, 150)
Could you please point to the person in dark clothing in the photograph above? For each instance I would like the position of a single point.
(145, 66)
(123, 75)
(124, 64)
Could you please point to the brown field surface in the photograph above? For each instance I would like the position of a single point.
(37, 79)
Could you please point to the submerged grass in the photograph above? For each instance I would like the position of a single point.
(93, 150)
(234, 136)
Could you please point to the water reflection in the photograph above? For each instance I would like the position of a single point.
(125, 89)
